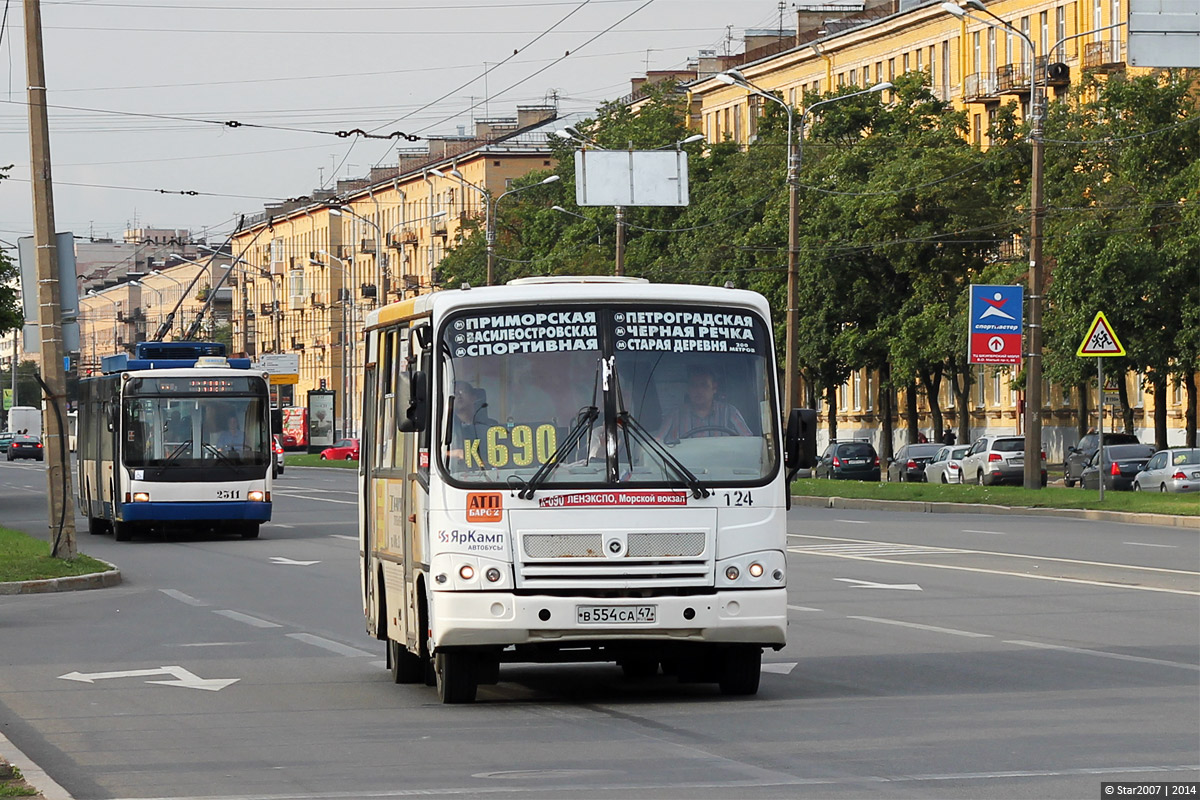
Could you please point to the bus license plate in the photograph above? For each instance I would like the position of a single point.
(619, 615)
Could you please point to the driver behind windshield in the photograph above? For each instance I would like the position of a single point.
(701, 414)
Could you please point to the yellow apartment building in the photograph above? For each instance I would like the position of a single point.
(309, 270)
(976, 67)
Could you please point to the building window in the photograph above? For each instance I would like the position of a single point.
(977, 130)
(858, 391)
(854, 77)
(991, 45)
(870, 397)
(996, 388)
(1044, 23)
(920, 60)
(1097, 21)
(904, 61)
(946, 70)
(879, 72)
(977, 63)
(737, 123)
(891, 68)
(981, 382)
(1060, 26)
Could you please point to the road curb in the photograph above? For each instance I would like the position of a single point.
(34, 775)
(73, 583)
(921, 506)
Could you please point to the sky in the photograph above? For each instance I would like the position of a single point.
(140, 91)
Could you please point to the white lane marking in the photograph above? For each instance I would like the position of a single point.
(917, 626)
(330, 645)
(873, 549)
(1117, 656)
(989, 533)
(184, 598)
(209, 644)
(803, 608)
(183, 678)
(780, 667)
(290, 562)
(317, 499)
(1145, 544)
(853, 521)
(247, 619)
(857, 584)
(281, 525)
(341, 536)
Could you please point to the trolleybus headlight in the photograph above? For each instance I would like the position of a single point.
(732, 572)
(756, 570)
(466, 572)
(492, 574)
(141, 497)
(257, 496)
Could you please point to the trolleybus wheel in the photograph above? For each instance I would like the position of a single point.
(122, 531)
(405, 667)
(456, 678)
(249, 530)
(740, 670)
(639, 669)
(97, 526)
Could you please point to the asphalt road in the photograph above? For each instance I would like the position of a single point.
(929, 656)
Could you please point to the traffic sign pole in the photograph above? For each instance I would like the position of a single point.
(1100, 427)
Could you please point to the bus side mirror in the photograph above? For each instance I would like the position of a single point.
(800, 444)
(412, 402)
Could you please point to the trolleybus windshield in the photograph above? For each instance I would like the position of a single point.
(655, 395)
(200, 422)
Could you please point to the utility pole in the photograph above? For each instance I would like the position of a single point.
(58, 473)
(620, 258)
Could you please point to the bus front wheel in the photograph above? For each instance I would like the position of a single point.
(249, 530)
(457, 680)
(122, 531)
(740, 670)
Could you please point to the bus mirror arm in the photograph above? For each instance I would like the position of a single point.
(412, 402)
(800, 442)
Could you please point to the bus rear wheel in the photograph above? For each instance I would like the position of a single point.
(405, 666)
(97, 526)
(457, 681)
(740, 670)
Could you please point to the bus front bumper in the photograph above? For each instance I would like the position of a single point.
(189, 512)
(497, 618)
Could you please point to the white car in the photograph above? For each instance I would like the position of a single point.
(946, 466)
(997, 458)
(1174, 470)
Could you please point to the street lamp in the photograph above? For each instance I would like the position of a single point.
(117, 309)
(794, 154)
(581, 216)
(490, 204)
(345, 298)
(1033, 358)
(381, 259)
(388, 237)
(157, 292)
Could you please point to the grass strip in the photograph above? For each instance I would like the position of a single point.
(1049, 497)
(24, 558)
(314, 460)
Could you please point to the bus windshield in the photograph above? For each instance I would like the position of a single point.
(182, 431)
(585, 397)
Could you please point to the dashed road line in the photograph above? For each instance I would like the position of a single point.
(330, 645)
(184, 598)
(920, 627)
(247, 619)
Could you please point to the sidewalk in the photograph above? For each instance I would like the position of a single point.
(921, 506)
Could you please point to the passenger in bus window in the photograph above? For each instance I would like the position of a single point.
(233, 437)
(702, 414)
(470, 425)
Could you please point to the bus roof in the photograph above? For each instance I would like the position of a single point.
(565, 289)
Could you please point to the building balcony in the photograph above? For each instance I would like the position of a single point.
(981, 87)
(1106, 56)
(1012, 78)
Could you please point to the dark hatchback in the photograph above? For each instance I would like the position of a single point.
(910, 461)
(1079, 456)
(1120, 465)
(855, 461)
(25, 447)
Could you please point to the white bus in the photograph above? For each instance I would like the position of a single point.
(576, 469)
(178, 437)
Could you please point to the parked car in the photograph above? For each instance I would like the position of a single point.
(946, 466)
(6, 439)
(853, 459)
(25, 447)
(342, 450)
(289, 441)
(1079, 455)
(277, 448)
(1121, 463)
(997, 458)
(1173, 470)
(909, 463)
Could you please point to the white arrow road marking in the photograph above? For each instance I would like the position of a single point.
(292, 563)
(780, 667)
(908, 587)
(182, 677)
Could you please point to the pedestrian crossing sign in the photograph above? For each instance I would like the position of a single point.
(1100, 339)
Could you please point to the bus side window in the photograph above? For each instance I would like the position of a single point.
(386, 400)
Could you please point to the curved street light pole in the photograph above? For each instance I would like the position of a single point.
(794, 155)
(345, 298)
(388, 237)
(116, 309)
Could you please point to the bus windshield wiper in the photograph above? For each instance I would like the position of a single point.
(219, 454)
(699, 491)
(180, 449)
(587, 416)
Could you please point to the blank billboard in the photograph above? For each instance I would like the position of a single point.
(631, 178)
(1164, 33)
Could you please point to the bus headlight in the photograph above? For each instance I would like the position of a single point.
(141, 497)
(257, 496)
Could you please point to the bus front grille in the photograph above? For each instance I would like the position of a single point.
(614, 560)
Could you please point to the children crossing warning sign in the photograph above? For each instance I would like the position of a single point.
(1100, 339)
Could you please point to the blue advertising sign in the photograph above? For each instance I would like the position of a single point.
(996, 324)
